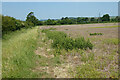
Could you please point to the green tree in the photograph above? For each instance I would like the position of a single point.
(86, 19)
(31, 18)
(92, 19)
(79, 20)
(106, 17)
(117, 19)
(50, 22)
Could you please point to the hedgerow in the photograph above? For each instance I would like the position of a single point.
(62, 41)
(10, 24)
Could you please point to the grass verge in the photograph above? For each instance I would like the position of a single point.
(18, 55)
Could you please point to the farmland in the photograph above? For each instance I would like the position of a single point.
(100, 62)
(62, 51)
(55, 40)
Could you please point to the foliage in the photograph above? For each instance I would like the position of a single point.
(50, 22)
(91, 34)
(62, 41)
(81, 20)
(10, 24)
(106, 17)
(31, 18)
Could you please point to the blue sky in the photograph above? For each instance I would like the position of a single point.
(53, 10)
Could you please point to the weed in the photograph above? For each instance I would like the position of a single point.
(87, 71)
(91, 34)
(62, 41)
(87, 57)
(52, 28)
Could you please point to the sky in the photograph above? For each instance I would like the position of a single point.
(56, 10)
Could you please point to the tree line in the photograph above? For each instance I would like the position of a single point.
(10, 24)
(69, 20)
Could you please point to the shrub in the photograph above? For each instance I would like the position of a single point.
(81, 43)
(10, 24)
(62, 41)
(68, 43)
(91, 34)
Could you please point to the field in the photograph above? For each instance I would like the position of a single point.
(101, 61)
(45, 61)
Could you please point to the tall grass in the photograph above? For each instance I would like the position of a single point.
(18, 55)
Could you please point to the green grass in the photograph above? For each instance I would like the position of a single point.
(87, 71)
(114, 41)
(18, 53)
(87, 57)
(94, 68)
(106, 27)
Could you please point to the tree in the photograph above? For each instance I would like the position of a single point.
(86, 19)
(78, 20)
(92, 19)
(31, 18)
(50, 22)
(40, 23)
(106, 17)
(117, 19)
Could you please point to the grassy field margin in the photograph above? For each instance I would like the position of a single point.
(18, 55)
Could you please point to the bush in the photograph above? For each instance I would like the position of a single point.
(68, 43)
(91, 34)
(81, 43)
(62, 41)
(10, 24)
